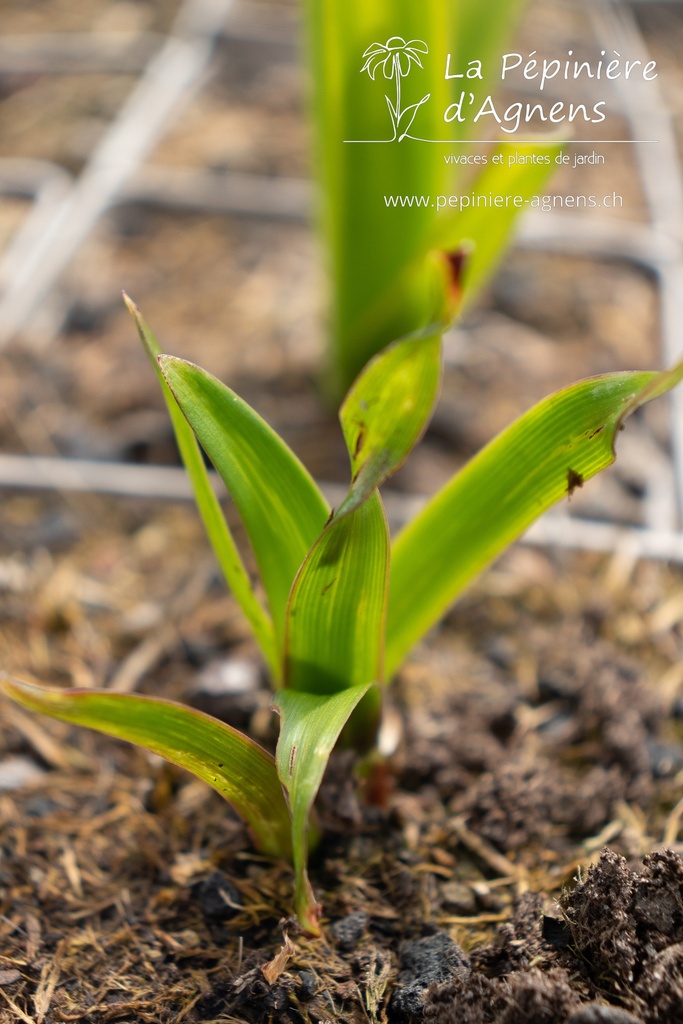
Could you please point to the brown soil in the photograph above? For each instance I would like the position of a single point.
(537, 726)
(534, 734)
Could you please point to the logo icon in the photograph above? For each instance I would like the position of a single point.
(396, 58)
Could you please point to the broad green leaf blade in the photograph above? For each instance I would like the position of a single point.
(386, 411)
(481, 232)
(209, 507)
(539, 459)
(337, 608)
(230, 762)
(309, 729)
(281, 507)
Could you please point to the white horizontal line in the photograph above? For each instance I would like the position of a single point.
(516, 142)
(573, 142)
(555, 529)
(38, 472)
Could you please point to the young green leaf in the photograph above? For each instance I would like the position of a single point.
(309, 729)
(386, 411)
(540, 458)
(281, 507)
(337, 608)
(209, 507)
(234, 765)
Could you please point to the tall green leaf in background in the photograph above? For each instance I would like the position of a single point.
(368, 245)
(384, 282)
(482, 34)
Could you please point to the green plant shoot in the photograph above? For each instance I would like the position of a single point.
(386, 78)
(344, 604)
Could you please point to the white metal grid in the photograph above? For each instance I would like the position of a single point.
(64, 211)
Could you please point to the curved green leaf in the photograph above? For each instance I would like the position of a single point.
(281, 507)
(386, 411)
(539, 459)
(337, 608)
(209, 507)
(309, 729)
(234, 765)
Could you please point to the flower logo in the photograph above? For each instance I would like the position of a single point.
(396, 57)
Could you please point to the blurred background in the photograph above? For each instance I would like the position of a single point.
(161, 148)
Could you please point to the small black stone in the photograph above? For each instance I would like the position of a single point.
(503, 725)
(308, 986)
(212, 893)
(39, 806)
(348, 930)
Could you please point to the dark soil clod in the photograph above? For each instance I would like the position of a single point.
(424, 962)
(527, 998)
(349, 930)
(556, 932)
(218, 898)
(621, 939)
(627, 925)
